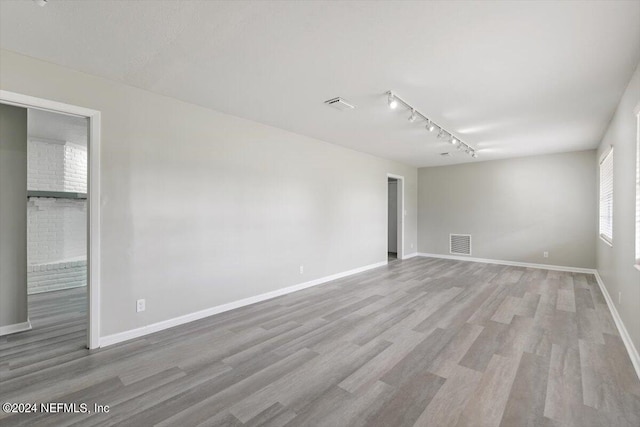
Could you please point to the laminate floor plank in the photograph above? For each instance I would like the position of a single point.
(424, 342)
(488, 403)
(447, 405)
(525, 406)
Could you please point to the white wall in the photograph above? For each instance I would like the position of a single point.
(514, 209)
(13, 215)
(615, 264)
(200, 208)
(392, 223)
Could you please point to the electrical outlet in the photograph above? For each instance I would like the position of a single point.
(545, 254)
(302, 269)
(619, 297)
(140, 305)
(412, 246)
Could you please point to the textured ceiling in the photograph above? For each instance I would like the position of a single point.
(510, 78)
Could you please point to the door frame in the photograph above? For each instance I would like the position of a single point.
(400, 216)
(93, 197)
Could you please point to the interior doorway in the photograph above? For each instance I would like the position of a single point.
(395, 217)
(57, 226)
(58, 253)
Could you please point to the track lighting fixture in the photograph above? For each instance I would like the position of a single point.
(430, 126)
(394, 100)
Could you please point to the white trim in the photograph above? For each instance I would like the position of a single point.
(176, 321)
(411, 255)
(400, 242)
(18, 327)
(624, 334)
(93, 217)
(513, 263)
(605, 240)
(93, 230)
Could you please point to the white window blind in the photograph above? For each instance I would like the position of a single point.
(606, 197)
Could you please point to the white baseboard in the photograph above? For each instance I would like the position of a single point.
(411, 255)
(18, 327)
(165, 324)
(513, 263)
(624, 334)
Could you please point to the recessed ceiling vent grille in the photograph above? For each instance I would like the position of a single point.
(339, 103)
(460, 244)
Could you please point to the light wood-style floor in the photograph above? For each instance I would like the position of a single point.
(423, 342)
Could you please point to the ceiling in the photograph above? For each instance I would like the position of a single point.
(46, 125)
(509, 78)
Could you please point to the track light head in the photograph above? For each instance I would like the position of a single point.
(453, 140)
(412, 117)
(474, 155)
(441, 133)
(430, 126)
(393, 102)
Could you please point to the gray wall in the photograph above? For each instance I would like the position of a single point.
(13, 215)
(392, 224)
(201, 208)
(615, 264)
(514, 209)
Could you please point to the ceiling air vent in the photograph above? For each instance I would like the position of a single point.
(445, 154)
(340, 104)
(460, 244)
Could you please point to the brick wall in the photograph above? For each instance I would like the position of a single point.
(58, 275)
(54, 166)
(56, 228)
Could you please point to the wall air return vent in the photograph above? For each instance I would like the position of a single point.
(340, 104)
(460, 244)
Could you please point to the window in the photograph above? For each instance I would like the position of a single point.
(606, 197)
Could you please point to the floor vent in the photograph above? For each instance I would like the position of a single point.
(460, 244)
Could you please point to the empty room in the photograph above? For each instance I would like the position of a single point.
(320, 213)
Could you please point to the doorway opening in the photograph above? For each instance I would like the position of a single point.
(55, 286)
(57, 226)
(395, 217)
